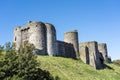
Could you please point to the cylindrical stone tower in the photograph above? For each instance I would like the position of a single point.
(17, 37)
(37, 37)
(72, 37)
(102, 47)
(51, 39)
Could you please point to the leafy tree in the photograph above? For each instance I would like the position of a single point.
(22, 64)
(1, 47)
(9, 65)
(8, 46)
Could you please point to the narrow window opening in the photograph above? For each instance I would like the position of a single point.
(15, 38)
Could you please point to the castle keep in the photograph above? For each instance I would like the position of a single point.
(43, 36)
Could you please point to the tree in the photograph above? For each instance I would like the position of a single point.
(22, 64)
(1, 47)
(9, 65)
(8, 46)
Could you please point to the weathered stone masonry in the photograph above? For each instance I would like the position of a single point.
(43, 36)
(90, 54)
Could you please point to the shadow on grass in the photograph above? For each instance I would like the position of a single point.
(108, 67)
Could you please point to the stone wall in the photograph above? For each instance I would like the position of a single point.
(65, 49)
(84, 53)
(102, 47)
(25, 34)
(17, 37)
(89, 54)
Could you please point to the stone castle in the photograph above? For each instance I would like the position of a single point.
(43, 36)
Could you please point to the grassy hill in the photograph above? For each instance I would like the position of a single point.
(69, 69)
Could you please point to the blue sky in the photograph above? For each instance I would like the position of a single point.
(95, 20)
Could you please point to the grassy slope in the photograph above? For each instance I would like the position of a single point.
(69, 69)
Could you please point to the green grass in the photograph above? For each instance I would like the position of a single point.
(69, 69)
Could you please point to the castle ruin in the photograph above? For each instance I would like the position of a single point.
(43, 36)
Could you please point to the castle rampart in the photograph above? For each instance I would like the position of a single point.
(43, 36)
(65, 49)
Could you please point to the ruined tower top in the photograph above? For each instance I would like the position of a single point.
(74, 31)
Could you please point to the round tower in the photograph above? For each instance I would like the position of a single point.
(72, 37)
(37, 36)
(17, 37)
(51, 39)
(102, 47)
